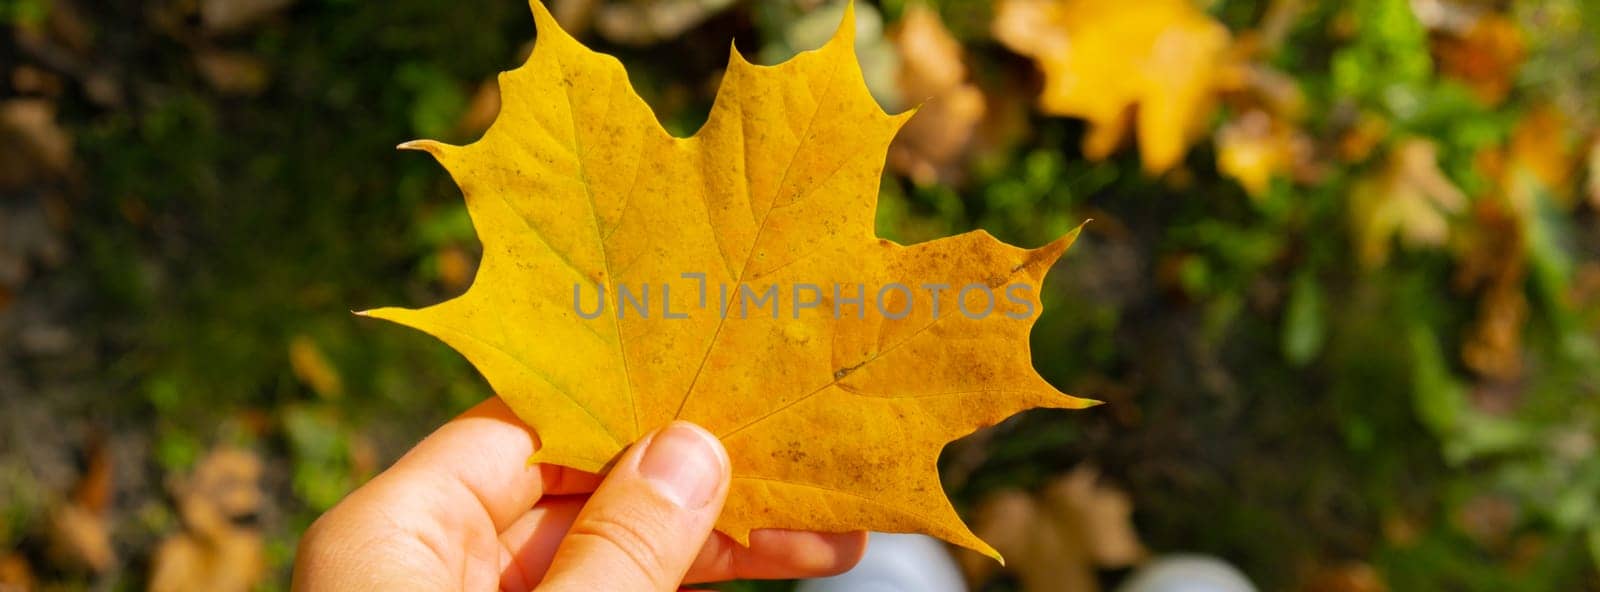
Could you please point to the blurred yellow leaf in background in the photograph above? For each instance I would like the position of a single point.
(1156, 64)
(1407, 197)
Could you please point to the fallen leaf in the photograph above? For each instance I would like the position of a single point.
(80, 529)
(1541, 152)
(223, 16)
(34, 141)
(15, 573)
(1057, 539)
(1485, 56)
(228, 563)
(81, 539)
(1348, 576)
(455, 267)
(1488, 520)
(833, 421)
(646, 22)
(1492, 248)
(1362, 136)
(1262, 139)
(313, 368)
(481, 110)
(1408, 197)
(29, 80)
(1255, 147)
(930, 147)
(1493, 263)
(214, 551)
(232, 72)
(1157, 64)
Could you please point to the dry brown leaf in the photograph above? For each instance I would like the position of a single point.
(1540, 159)
(931, 147)
(26, 79)
(1157, 64)
(80, 529)
(214, 552)
(232, 72)
(1491, 255)
(229, 562)
(32, 138)
(224, 16)
(81, 539)
(16, 574)
(1349, 576)
(481, 110)
(1057, 539)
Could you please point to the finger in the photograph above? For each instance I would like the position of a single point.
(483, 454)
(531, 541)
(777, 554)
(645, 524)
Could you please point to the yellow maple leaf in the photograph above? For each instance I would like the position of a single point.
(1111, 62)
(833, 416)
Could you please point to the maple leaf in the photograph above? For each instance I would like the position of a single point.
(1103, 58)
(833, 417)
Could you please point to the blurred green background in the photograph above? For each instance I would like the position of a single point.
(1347, 338)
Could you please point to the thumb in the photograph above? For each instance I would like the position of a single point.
(646, 522)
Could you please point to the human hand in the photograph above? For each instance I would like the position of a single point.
(463, 510)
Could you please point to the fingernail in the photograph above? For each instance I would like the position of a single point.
(683, 464)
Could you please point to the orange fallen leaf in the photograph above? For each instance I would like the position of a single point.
(834, 415)
(1485, 56)
(1347, 576)
(1542, 152)
(16, 574)
(1157, 63)
(1362, 136)
(80, 528)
